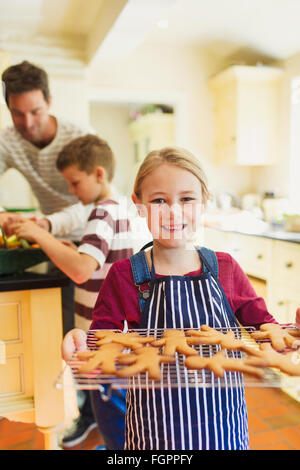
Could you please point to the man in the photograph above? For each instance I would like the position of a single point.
(31, 146)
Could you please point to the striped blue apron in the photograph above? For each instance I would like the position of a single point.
(185, 418)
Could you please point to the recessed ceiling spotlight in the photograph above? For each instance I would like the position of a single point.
(163, 24)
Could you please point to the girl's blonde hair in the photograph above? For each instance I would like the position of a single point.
(176, 156)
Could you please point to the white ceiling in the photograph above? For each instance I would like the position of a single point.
(266, 27)
(270, 27)
(49, 17)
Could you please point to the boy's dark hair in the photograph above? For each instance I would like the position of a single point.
(87, 152)
(24, 77)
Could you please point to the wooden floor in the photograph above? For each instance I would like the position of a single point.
(274, 424)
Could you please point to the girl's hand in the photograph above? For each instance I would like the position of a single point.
(27, 229)
(75, 340)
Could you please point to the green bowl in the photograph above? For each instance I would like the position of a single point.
(16, 260)
(20, 209)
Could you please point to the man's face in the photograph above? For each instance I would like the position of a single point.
(29, 112)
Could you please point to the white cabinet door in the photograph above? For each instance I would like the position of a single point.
(283, 301)
(246, 110)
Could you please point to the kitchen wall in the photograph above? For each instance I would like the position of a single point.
(70, 97)
(274, 177)
(111, 123)
(178, 74)
(277, 177)
(175, 75)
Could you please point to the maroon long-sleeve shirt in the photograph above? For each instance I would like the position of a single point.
(118, 296)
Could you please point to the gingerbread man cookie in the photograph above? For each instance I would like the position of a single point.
(174, 341)
(219, 363)
(280, 338)
(288, 363)
(145, 359)
(105, 357)
(129, 340)
(105, 336)
(209, 335)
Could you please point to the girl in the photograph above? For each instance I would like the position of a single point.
(175, 285)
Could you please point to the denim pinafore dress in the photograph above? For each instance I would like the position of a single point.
(185, 418)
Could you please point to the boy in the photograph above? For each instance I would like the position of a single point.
(87, 164)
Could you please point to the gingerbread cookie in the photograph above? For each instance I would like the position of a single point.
(105, 357)
(105, 336)
(219, 363)
(145, 359)
(280, 338)
(129, 340)
(174, 341)
(209, 335)
(293, 332)
(288, 363)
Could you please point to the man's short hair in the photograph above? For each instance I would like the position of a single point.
(24, 77)
(87, 152)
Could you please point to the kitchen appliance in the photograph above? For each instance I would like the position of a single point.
(292, 223)
(274, 208)
(251, 201)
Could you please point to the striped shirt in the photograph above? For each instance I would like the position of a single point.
(38, 166)
(107, 238)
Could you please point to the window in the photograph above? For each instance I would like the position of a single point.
(295, 145)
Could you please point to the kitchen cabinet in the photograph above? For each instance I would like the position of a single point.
(150, 132)
(274, 262)
(246, 115)
(284, 282)
(31, 338)
(287, 259)
(252, 253)
(283, 301)
(275, 267)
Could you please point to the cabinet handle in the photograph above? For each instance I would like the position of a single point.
(260, 256)
(289, 264)
(281, 302)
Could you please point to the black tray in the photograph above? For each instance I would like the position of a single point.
(16, 260)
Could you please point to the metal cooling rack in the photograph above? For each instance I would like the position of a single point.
(176, 375)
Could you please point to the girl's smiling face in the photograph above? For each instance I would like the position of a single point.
(171, 199)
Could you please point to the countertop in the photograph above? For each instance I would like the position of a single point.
(29, 280)
(292, 237)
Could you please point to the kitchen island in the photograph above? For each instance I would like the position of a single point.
(31, 337)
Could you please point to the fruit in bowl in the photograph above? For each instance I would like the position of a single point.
(14, 242)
